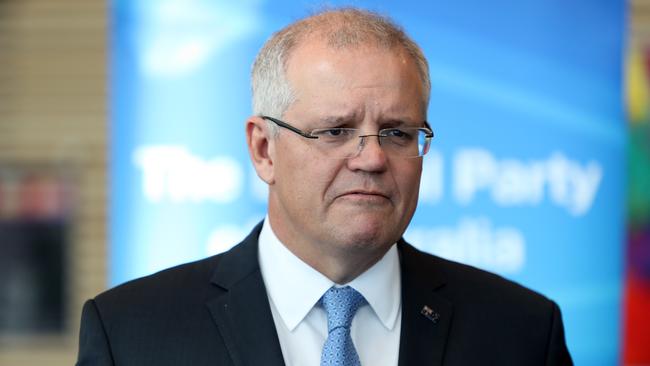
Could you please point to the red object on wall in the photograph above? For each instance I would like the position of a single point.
(637, 321)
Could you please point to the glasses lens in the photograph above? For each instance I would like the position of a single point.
(338, 143)
(343, 143)
(408, 142)
(424, 142)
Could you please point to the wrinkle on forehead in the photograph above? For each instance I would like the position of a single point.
(366, 74)
(354, 119)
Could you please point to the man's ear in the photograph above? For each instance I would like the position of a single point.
(260, 148)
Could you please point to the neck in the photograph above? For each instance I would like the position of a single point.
(341, 270)
(340, 264)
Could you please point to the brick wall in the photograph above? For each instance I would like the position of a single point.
(53, 113)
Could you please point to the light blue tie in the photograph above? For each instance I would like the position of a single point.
(340, 305)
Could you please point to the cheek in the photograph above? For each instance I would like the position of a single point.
(408, 181)
(305, 178)
(319, 179)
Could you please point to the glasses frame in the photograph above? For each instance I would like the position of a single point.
(429, 133)
(304, 134)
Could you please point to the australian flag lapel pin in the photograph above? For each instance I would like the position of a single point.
(430, 314)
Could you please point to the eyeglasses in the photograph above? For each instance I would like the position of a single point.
(341, 143)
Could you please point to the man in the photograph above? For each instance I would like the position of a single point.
(338, 134)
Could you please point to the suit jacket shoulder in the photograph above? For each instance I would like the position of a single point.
(477, 317)
(461, 278)
(209, 312)
(161, 289)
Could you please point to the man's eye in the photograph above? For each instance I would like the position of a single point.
(333, 132)
(396, 132)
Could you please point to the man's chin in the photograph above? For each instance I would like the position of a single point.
(365, 233)
(362, 228)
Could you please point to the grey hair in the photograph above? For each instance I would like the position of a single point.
(340, 28)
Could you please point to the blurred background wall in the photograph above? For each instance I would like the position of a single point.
(54, 143)
(53, 148)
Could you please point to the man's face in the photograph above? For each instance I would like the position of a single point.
(324, 206)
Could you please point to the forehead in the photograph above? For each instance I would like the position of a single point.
(327, 76)
(312, 49)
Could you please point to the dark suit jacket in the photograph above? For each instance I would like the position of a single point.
(216, 312)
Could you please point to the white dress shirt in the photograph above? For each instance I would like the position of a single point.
(294, 289)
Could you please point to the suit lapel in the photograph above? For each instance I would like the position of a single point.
(426, 316)
(241, 310)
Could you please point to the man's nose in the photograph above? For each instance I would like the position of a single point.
(370, 155)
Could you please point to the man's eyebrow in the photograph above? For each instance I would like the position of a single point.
(336, 120)
(351, 119)
(401, 122)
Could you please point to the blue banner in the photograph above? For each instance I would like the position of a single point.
(525, 176)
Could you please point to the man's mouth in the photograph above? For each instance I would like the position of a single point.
(365, 195)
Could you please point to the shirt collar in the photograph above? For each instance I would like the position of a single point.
(380, 285)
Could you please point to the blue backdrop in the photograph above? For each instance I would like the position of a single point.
(526, 173)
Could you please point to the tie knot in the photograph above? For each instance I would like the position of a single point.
(340, 304)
